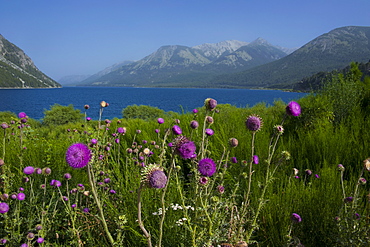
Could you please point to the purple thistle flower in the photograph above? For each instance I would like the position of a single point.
(160, 120)
(209, 120)
(203, 180)
(21, 196)
(86, 107)
(4, 207)
(88, 119)
(3, 241)
(357, 216)
(22, 115)
(38, 227)
(293, 109)
(4, 125)
(255, 159)
(194, 124)
(362, 180)
(24, 245)
(210, 104)
(207, 167)
(233, 142)
(38, 171)
(341, 168)
(234, 160)
(67, 176)
(86, 210)
(57, 183)
(73, 205)
(112, 191)
(253, 123)
(78, 155)
(317, 176)
(209, 132)
(28, 170)
(195, 110)
(176, 130)
(184, 147)
(295, 218)
(4, 196)
(348, 199)
(221, 189)
(121, 130)
(30, 235)
(308, 172)
(40, 240)
(157, 179)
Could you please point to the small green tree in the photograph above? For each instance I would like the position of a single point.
(59, 115)
(142, 111)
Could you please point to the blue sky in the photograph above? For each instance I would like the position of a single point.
(82, 37)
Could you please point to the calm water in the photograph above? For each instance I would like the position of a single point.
(35, 101)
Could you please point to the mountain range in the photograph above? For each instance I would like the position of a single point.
(182, 66)
(238, 64)
(331, 51)
(17, 70)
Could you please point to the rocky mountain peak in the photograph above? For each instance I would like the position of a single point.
(215, 50)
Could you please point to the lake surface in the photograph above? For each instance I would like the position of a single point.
(35, 101)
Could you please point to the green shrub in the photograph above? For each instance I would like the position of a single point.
(142, 111)
(59, 115)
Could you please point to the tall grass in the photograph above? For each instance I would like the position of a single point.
(255, 206)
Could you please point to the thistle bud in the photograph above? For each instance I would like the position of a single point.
(233, 142)
(210, 104)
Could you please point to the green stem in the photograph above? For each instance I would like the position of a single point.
(93, 189)
(163, 205)
(141, 224)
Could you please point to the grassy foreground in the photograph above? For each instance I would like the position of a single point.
(280, 180)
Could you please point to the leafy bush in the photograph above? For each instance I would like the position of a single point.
(142, 111)
(59, 115)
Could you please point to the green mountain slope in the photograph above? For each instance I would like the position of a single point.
(18, 71)
(316, 81)
(333, 50)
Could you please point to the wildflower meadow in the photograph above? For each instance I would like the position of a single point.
(287, 174)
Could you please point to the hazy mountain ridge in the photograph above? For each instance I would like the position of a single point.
(333, 50)
(175, 65)
(17, 70)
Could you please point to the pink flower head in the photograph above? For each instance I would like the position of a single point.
(78, 155)
(207, 167)
(293, 109)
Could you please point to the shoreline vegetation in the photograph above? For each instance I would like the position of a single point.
(281, 175)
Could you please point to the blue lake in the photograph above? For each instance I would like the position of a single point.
(35, 101)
